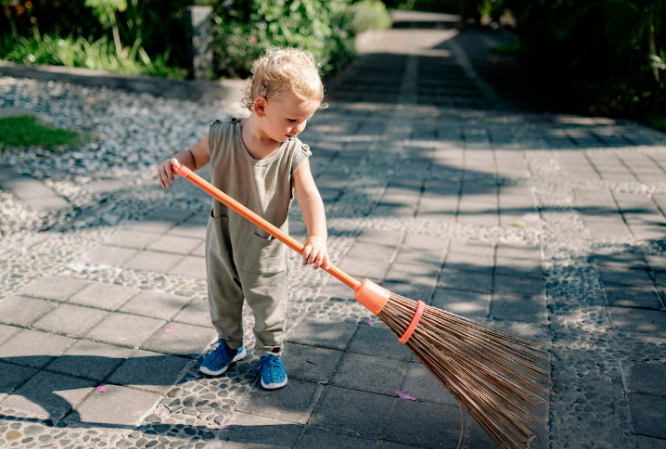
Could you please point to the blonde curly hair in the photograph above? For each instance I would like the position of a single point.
(283, 70)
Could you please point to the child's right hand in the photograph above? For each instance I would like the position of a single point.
(165, 172)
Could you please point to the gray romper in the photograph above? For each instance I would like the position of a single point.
(242, 260)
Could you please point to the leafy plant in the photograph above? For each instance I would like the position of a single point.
(245, 29)
(156, 24)
(80, 52)
(369, 15)
(604, 53)
(105, 11)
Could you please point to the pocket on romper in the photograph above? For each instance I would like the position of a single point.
(265, 254)
(216, 233)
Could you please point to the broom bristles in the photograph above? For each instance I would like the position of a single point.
(496, 376)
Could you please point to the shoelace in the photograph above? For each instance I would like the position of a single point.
(220, 354)
(269, 361)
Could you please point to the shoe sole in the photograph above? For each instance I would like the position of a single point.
(274, 386)
(239, 356)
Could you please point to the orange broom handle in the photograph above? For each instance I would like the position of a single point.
(254, 218)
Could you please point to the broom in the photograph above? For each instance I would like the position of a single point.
(496, 376)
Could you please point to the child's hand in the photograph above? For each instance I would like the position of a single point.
(314, 252)
(166, 173)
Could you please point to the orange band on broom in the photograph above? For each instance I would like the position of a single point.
(498, 377)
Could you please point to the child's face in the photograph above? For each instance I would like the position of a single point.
(285, 116)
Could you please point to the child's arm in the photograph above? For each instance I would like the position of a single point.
(194, 158)
(312, 207)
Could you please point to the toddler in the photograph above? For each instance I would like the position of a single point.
(260, 162)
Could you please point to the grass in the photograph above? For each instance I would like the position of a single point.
(86, 53)
(25, 131)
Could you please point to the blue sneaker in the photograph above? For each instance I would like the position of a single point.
(217, 361)
(273, 374)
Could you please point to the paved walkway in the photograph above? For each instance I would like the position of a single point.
(442, 183)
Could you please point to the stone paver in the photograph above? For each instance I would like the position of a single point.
(191, 267)
(22, 311)
(149, 371)
(358, 372)
(326, 334)
(153, 261)
(33, 348)
(58, 288)
(108, 255)
(373, 340)
(70, 320)
(126, 330)
(118, 406)
(156, 304)
(318, 438)
(353, 411)
(196, 312)
(245, 430)
(103, 296)
(49, 395)
(293, 403)
(439, 182)
(310, 363)
(13, 376)
(33, 193)
(440, 424)
(7, 331)
(90, 360)
(180, 339)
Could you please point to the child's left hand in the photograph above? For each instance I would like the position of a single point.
(314, 252)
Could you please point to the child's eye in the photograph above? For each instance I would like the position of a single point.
(291, 120)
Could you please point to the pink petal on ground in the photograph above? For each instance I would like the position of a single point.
(101, 388)
(370, 323)
(648, 194)
(227, 428)
(403, 395)
(168, 330)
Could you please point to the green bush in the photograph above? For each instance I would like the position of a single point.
(86, 53)
(369, 15)
(245, 29)
(158, 25)
(604, 53)
(442, 6)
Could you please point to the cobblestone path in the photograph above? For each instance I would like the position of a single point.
(442, 180)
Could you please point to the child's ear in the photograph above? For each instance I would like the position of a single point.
(259, 106)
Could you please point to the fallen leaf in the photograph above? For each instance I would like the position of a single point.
(168, 330)
(310, 361)
(92, 100)
(518, 224)
(101, 388)
(403, 395)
